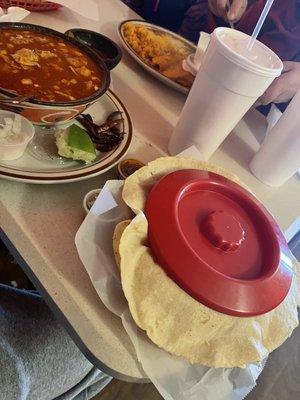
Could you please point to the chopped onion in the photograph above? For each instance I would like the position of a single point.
(10, 131)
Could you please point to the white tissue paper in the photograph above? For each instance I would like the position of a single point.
(88, 9)
(174, 377)
(13, 14)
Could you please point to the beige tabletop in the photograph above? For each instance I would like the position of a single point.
(39, 222)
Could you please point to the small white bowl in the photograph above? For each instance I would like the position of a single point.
(12, 151)
(89, 199)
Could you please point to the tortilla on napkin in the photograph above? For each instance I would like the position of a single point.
(172, 319)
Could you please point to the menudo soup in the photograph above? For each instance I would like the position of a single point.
(46, 67)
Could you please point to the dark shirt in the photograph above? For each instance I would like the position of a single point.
(166, 13)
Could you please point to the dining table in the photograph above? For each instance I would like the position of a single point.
(39, 222)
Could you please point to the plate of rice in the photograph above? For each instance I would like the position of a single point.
(159, 51)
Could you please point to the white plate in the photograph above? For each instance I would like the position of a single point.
(41, 163)
(186, 43)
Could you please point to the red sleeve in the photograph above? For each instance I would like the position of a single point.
(281, 30)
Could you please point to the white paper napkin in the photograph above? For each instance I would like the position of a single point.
(87, 8)
(13, 14)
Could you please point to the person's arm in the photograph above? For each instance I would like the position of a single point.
(285, 86)
(198, 16)
(229, 10)
(194, 20)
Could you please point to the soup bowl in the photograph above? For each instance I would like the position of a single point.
(45, 113)
(108, 50)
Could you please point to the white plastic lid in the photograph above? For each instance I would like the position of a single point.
(260, 59)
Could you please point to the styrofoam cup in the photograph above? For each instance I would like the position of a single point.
(278, 159)
(226, 86)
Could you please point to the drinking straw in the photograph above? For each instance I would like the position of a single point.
(260, 22)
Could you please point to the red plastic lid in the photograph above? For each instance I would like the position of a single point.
(218, 243)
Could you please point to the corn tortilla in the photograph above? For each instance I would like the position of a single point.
(172, 319)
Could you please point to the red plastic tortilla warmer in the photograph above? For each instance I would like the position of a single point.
(218, 243)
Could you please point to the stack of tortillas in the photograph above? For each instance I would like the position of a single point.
(172, 319)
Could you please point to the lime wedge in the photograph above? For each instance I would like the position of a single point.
(79, 139)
